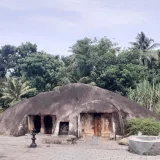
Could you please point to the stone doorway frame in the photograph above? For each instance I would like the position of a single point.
(37, 123)
(48, 124)
(66, 126)
(104, 133)
(42, 129)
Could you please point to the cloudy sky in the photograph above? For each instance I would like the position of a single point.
(54, 25)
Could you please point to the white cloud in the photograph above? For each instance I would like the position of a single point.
(52, 20)
(54, 32)
(95, 13)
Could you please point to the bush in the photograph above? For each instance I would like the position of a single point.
(148, 126)
(1, 109)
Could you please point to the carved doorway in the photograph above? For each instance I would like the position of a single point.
(48, 124)
(97, 125)
(37, 123)
(64, 128)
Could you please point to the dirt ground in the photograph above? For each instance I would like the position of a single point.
(17, 148)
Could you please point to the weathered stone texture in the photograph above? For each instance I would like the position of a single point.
(145, 145)
(68, 102)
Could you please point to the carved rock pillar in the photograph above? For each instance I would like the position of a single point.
(53, 124)
(30, 123)
(42, 125)
(79, 126)
(56, 131)
(113, 126)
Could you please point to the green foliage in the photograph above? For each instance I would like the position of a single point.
(26, 49)
(85, 80)
(146, 125)
(1, 109)
(93, 61)
(90, 57)
(14, 89)
(120, 77)
(7, 59)
(129, 56)
(42, 70)
(146, 94)
(144, 43)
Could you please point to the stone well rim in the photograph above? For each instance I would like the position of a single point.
(138, 138)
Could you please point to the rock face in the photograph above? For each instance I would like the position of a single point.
(123, 141)
(66, 104)
(145, 145)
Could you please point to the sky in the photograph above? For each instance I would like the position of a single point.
(55, 25)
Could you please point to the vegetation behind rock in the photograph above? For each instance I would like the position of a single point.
(97, 62)
(148, 126)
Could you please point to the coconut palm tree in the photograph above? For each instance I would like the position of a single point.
(13, 89)
(145, 45)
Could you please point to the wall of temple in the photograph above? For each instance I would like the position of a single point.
(83, 125)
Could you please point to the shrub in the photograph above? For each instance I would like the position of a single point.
(147, 95)
(148, 126)
(1, 109)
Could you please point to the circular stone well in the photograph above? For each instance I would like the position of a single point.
(144, 145)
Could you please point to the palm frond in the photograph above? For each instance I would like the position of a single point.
(155, 45)
(144, 43)
(27, 91)
(13, 89)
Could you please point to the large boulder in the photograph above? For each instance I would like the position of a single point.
(68, 102)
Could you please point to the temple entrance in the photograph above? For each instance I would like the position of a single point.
(37, 123)
(44, 124)
(97, 125)
(64, 128)
(48, 124)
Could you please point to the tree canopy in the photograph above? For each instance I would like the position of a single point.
(95, 61)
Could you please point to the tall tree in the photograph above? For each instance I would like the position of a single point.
(43, 70)
(13, 89)
(26, 49)
(120, 77)
(7, 59)
(90, 57)
(145, 44)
